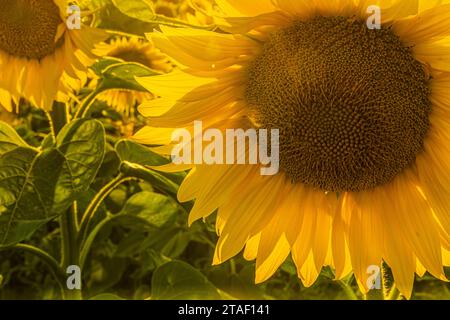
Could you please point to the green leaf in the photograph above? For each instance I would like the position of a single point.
(140, 10)
(9, 139)
(177, 245)
(151, 209)
(101, 65)
(178, 280)
(108, 16)
(131, 244)
(106, 272)
(136, 153)
(122, 76)
(48, 142)
(132, 16)
(156, 179)
(36, 187)
(81, 148)
(15, 223)
(132, 152)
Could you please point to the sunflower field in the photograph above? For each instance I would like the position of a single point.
(134, 156)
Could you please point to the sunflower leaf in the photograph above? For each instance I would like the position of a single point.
(132, 152)
(149, 210)
(36, 187)
(109, 16)
(178, 280)
(9, 139)
(122, 76)
(156, 179)
(137, 153)
(140, 10)
(104, 63)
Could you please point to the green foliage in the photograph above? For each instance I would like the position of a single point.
(37, 186)
(177, 280)
(149, 210)
(141, 10)
(130, 16)
(123, 76)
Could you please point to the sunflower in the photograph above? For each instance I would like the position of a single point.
(196, 12)
(41, 58)
(363, 116)
(131, 50)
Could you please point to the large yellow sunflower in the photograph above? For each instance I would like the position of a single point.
(364, 120)
(131, 50)
(40, 56)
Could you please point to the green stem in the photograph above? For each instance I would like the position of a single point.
(70, 249)
(69, 233)
(95, 204)
(233, 267)
(157, 180)
(59, 117)
(51, 262)
(83, 110)
(68, 221)
(90, 239)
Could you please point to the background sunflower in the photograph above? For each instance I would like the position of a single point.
(35, 44)
(131, 50)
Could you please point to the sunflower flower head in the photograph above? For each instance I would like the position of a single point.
(41, 58)
(131, 50)
(363, 117)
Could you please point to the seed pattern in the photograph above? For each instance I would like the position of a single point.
(28, 27)
(352, 104)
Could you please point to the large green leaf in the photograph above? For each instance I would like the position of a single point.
(150, 209)
(136, 153)
(9, 139)
(101, 65)
(15, 223)
(80, 149)
(129, 151)
(122, 76)
(35, 187)
(142, 10)
(158, 180)
(178, 280)
(108, 16)
(137, 9)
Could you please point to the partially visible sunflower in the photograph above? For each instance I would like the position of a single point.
(131, 50)
(197, 12)
(364, 120)
(41, 59)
